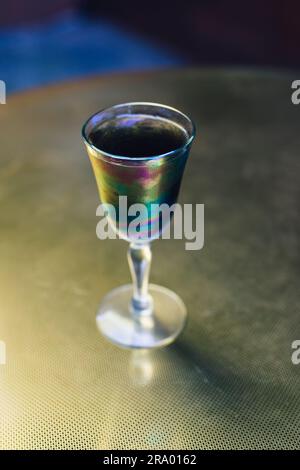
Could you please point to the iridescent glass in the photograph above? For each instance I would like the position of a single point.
(139, 315)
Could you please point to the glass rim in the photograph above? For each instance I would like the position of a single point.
(140, 159)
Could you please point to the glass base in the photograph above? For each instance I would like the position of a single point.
(120, 324)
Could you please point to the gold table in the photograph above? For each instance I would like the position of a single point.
(229, 381)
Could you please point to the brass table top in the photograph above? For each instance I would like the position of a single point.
(229, 381)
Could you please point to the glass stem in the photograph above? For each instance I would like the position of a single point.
(139, 259)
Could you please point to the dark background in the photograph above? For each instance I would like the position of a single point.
(216, 31)
(42, 42)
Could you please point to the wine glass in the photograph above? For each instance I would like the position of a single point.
(139, 151)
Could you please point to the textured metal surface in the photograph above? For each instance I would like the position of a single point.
(229, 381)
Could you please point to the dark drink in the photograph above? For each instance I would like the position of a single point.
(155, 146)
(138, 136)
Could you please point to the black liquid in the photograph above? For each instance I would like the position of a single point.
(138, 136)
